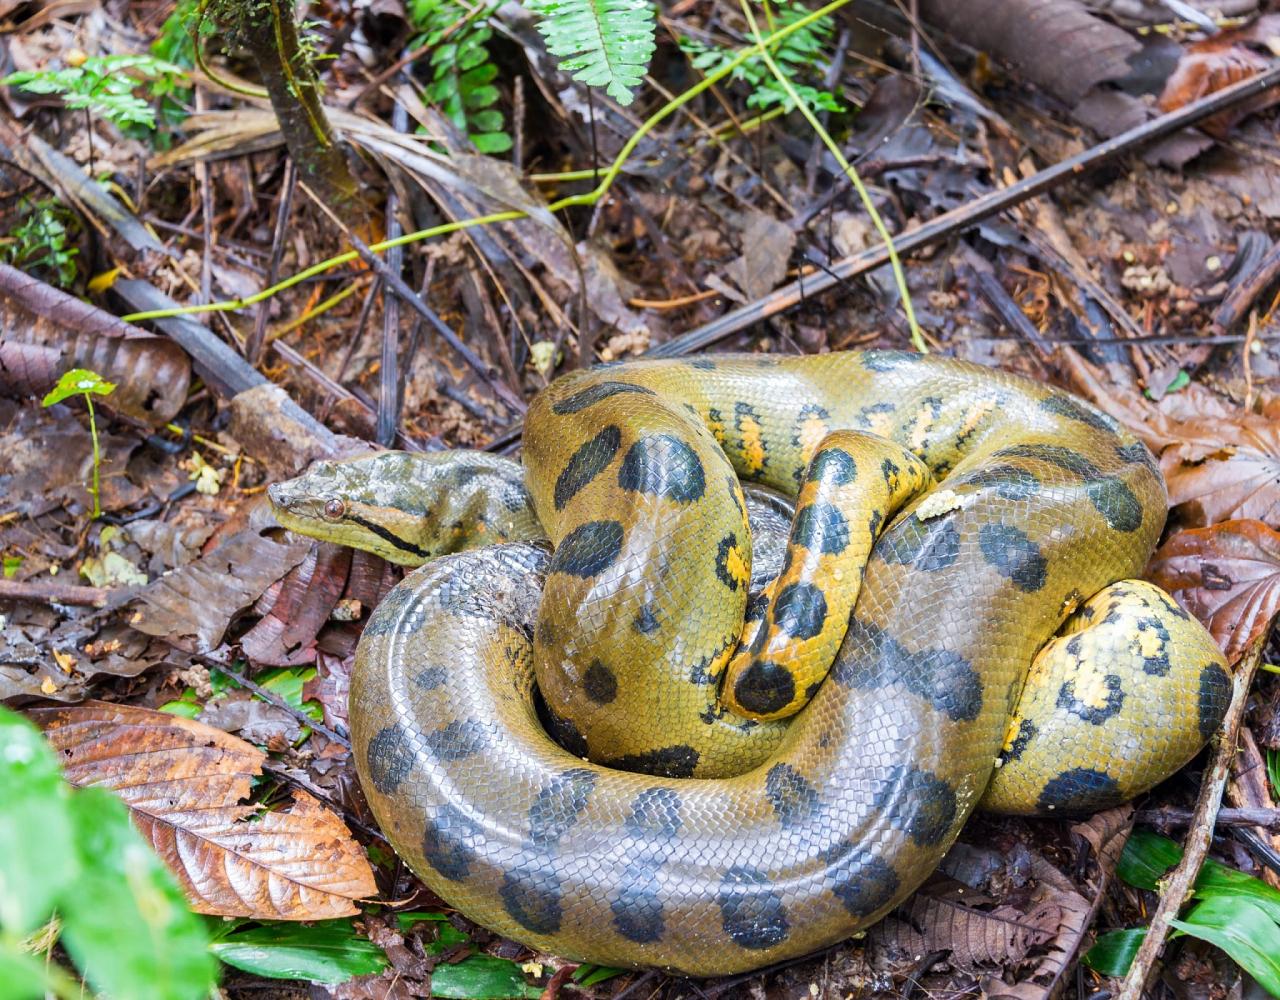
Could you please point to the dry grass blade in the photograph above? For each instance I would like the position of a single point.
(185, 784)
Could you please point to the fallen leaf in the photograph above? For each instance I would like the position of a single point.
(766, 250)
(1227, 575)
(186, 784)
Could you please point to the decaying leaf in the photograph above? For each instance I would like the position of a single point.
(186, 784)
(191, 607)
(45, 332)
(1227, 575)
(766, 250)
(1217, 62)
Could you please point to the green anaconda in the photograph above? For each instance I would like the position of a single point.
(996, 631)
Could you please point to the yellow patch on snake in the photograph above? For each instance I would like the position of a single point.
(923, 421)
(980, 411)
(736, 566)
(812, 431)
(1091, 687)
(753, 448)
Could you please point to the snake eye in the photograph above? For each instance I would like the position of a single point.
(334, 509)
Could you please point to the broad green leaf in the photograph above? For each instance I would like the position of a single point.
(1114, 951)
(590, 975)
(326, 952)
(483, 977)
(1244, 931)
(447, 936)
(22, 976)
(126, 923)
(38, 860)
(76, 382)
(1148, 856)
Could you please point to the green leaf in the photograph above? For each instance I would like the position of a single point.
(22, 976)
(126, 923)
(38, 861)
(1114, 951)
(603, 43)
(78, 381)
(327, 952)
(491, 142)
(482, 976)
(1244, 931)
(1273, 770)
(590, 975)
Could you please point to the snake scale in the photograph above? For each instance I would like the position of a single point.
(540, 713)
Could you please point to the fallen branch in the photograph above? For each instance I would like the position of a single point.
(1177, 886)
(50, 592)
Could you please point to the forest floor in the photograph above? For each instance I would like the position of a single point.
(1147, 282)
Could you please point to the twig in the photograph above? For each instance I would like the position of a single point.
(1168, 816)
(388, 369)
(1178, 885)
(49, 592)
(253, 348)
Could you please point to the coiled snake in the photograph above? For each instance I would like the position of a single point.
(694, 838)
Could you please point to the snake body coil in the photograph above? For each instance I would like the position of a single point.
(809, 829)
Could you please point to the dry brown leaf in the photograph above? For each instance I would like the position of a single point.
(299, 606)
(1215, 63)
(1227, 575)
(186, 784)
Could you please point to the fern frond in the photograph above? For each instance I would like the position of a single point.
(603, 43)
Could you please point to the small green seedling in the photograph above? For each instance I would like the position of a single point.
(81, 381)
(104, 85)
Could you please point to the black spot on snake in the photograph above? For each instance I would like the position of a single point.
(862, 881)
(556, 808)
(834, 466)
(703, 364)
(637, 905)
(800, 610)
(587, 462)
(1052, 454)
(460, 739)
(531, 895)
(663, 465)
(757, 605)
(1026, 733)
(1116, 503)
(449, 842)
(1009, 481)
(927, 545)
(726, 547)
(588, 549)
(821, 527)
(389, 758)
(668, 762)
(655, 815)
(1079, 790)
(1215, 696)
(463, 474)
(793, 797)
(750, 911)
(887, 361)
(735, 494)
(1172, 607)
(1065, 406)
(871, 658)
(1156, 665)
(765, 687)
(1014, 555)
(918, 802)
(591, 395)
(564, 732)
(1137, 453)
(599, 684)
(874, 522)
(515, 497)
(430, 678)
(646, 622)
(1089, 712)
(890, 470)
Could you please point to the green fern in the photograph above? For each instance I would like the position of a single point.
(603, 43)
(462, 72)
(103, 84)
(797, 54)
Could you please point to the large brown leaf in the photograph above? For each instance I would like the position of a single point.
(1228, 576)
(185, 784)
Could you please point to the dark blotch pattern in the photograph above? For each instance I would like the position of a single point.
(800, 610)
(1215, 696)
(599, 684)
(871, 658)
(588, 549)
(920, 803)
(458, 740)
(1026, 733)
(751, 912)
(862, 881)
(556, 807)
(448, 842)
(703, 364)
(821, 527)
(1014, 555)
(663, 465)
(765, 687)
(646, 622)
(655, 815)
(637, 906)
(1065, 406)
(587, 462)
(564, 732)
(1095, 715)
(591, 395)
(834, 466)
(389, 758)
(430, 678)
(1079, 790)
(1118, 505)
(727, 544)
(927, 545)
(1053, 454)
(793, 797)
(668, 762)
(1009, 481)
(531, 894)
(1137, 453)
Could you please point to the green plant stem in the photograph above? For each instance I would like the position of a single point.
(588, 199)
(97, 457)
(899, 276)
